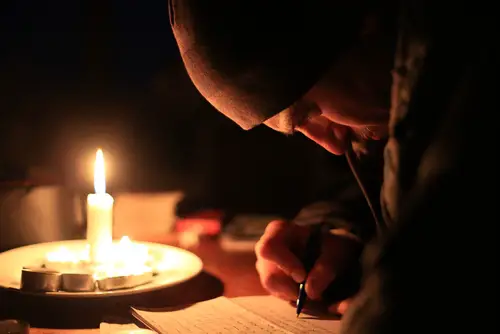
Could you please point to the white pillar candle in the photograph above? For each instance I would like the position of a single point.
(99, 214)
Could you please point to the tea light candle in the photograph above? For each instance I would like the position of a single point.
(99, 213)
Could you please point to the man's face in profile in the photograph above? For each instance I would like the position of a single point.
(351, 100)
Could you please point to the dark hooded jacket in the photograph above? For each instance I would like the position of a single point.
(440, 173)
(433, 259)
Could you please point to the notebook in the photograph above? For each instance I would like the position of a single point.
(257, 314)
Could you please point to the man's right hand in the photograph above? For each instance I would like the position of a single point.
(280, 268)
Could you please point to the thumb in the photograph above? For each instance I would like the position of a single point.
(341, 307)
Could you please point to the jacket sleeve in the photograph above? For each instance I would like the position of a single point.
(431, 270)
(346, 210)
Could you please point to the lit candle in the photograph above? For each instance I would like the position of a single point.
(99, 213)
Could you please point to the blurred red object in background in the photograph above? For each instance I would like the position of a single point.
(207, 222)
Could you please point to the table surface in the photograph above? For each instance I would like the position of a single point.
(228, 273)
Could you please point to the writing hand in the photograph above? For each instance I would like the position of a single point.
(279, 266)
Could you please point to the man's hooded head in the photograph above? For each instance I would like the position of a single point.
(253, 59)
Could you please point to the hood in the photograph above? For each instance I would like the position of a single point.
(253, 59)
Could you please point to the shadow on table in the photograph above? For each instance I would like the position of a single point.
(41, 311)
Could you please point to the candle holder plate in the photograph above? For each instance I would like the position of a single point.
(184, 265)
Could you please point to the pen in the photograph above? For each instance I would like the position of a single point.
(312, 251)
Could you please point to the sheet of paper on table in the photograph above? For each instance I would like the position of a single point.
(260, 314)
(107, 328)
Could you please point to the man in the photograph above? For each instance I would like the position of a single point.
(343, 71)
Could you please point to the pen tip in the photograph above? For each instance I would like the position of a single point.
(298, 315)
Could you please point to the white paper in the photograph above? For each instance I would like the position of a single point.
(283, 315)
(263, 314)
(219, 315)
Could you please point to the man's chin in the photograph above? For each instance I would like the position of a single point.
(370, 132)
(363, 147)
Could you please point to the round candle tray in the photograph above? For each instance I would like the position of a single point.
(21, 270)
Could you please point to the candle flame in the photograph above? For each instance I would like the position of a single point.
(99, 173)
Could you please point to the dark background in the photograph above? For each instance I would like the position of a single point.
(77, 75)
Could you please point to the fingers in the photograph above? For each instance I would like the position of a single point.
(280, 269)
(274, 246)
(337, 253)
(340, 308)
(329, 135)
(321, 275)
(275, 281)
